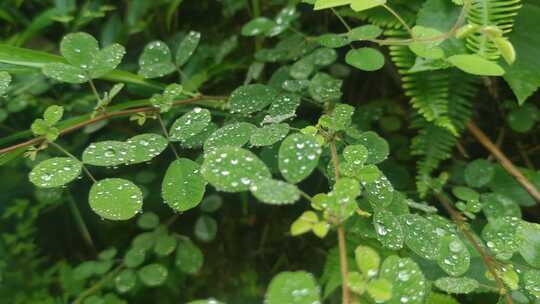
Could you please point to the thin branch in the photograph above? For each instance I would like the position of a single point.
(164, 130)
(83, 228)
(108, 115)
(66, 152)
(94, 90)
(345, 24)
(503, 160)
(398, 17)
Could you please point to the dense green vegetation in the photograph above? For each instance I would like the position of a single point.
(269, 151)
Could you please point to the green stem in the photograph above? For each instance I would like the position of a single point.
(164, 129)
(94, 90)
(398, 17)
(83, 228)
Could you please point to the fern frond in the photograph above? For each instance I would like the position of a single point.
(499, 13)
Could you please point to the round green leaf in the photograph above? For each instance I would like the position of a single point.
(198, 140)
(324, 88)
(5, 80)
(324, 56)
(363, 5)
(183, 186)
(283, 107)
(125, 280)
(421, 236)
(332, 40)
(298, 156)
(380, 289)
(454, 257)
(53, 114)
(522, 119)
(379, 192)
(153, 275)
(293, 288)
(269, 134)
(501, 236)
(366, 59)
(257, 26)
(107, 60)
(206, 228)
(529, 240)
(479, 173)
(356, 154)
(65, 73)
(144, 241)
(388, 230)
(55, 172)
(211, 203)
(106, 153)
(251, 98)
(187, 47)
(457, 285)
(364, 32)
(189, 258)
(274, 192)
(495, 205)
(148, 220)
(115, 199)
(408, 282)
(144, 147)
(235, 134)
(378, 148)
(190, 124)
(427, 49)
(532, 282)
(165, 245)
(156, 60)
(476, 65)
(233, 169)
(79, 49)
(135, 257)
(465, 194)
(367, 260)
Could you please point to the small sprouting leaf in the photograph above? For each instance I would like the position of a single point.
(506, 48)
(274, 192)
(388, 230)
(251, 98)
(378, 148)
(190, 124)
(323, 4)
(183, 186)
(529, 239)
(5, 80)
(457, 285)
(421, 236)
(379, 192)
(367, 260)
(501, 236)
(408, 282)
(189, 258)
(39, 127)
(356, 154)
(125, 280)
(479, 173)
(380, 290)
(79, 49)
(324, 88)
(156, 60)
(269, 134)
(298, 156)
(293, 287)
(234, 135)
(362, 5)
(476, 65)
(357, 282)
(165, 245)
(115, 199)
(153, 275)
(187, 47)
(532, 282)
(55, 172)
(364, 32)
(106, 153)
(332, 40)
(144, 147)
(258, 26)
(340, 119)
(65, 73)
(233, 169)
(148, 220)
(304, 223)
(427, 49)
(365, 59)
(206, 228)
(53, 114)
(454, 257)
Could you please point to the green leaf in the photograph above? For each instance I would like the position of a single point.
(135, 256)
(380, 290)
(190, 124)
(501, 236)
(189, 258)
(378, 148)
(479, 173)
(495, 205)
(408, 282)
(200, 138)
(258, 26)
(39, 127)
(523, 119)
(211, 203)
(456, 285)
(532, 282)
(233, 135)
(106, 153)
(107, 60)
(274, 192)
(108, 254)
(209, 301)
(79, 49)
(367, 260)
(324, 88)
(476, 65)
(454, 257)
(379, 192)
(115, 199)
(125, 280)
(269, 134)
(144, 147)
(148, 221)
(65, 73)
(356, 154)
(5, 80)
(421, 236)
(283, 107)
(365, 59)
(294, 288)
(165, 245)
(304, 223)
(332, 40)
(233, 169)
(357, 282)
(340, 118)
(364, 32)
(298, 156)
(388, 230)
(362, 5)
(187, 47)
(53, 114)
(153, 275)
(427, 49)
(529, 240)
(183, 186)
(251, 98)
(324, 56)
(156, 60)
(55, 172)
(206, 228)
(323, 4)
(465, 194)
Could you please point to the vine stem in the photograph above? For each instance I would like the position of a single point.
(342, 242)
(107, 115)
(164, 129)
(503, 160)
(98, 285)
(66, 152)
(399, 18)
(459, 220)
